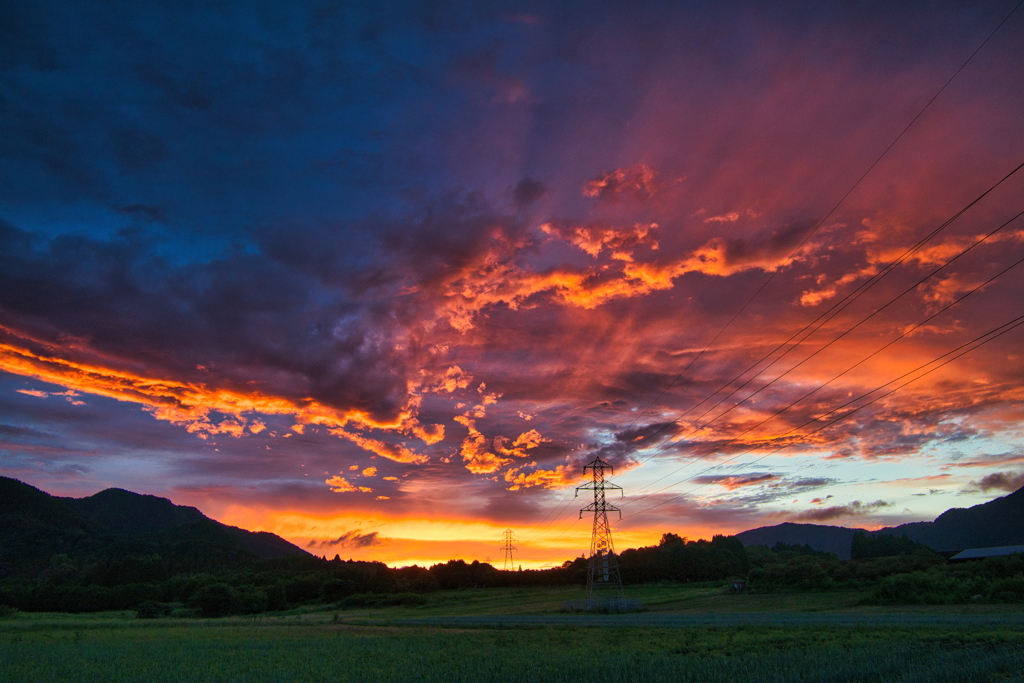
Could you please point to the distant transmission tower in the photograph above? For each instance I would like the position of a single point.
(509, 538)
(603, 568)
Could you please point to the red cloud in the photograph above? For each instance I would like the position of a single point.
(637, 183)
(733, 482)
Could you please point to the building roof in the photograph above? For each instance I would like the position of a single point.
(974, 553)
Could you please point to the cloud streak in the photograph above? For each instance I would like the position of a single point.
(351, 539)
(839, 511)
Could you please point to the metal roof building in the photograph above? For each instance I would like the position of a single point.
(978, 553)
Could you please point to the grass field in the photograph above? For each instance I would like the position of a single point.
(361, 645)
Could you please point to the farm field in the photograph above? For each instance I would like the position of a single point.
(680, 642)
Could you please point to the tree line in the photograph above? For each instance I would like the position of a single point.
(153, 583)
(892, 569)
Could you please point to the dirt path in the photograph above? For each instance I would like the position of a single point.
(683, 620)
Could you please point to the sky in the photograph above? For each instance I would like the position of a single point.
(383, 279)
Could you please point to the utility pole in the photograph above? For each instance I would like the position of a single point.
(509, 538)
(602, 568)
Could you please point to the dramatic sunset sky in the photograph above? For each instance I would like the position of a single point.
(382, 279)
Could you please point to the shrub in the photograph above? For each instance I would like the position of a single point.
(1007, 590)
(277, 599)
(925, 588)
(248, 600)
(800, 571)
(152, 610)
(130, 595)
(302, 589)
(336, 589)
(213, 600)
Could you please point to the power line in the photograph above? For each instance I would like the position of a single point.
(904, 334)
(829, 214)
(950, 356)
(953, 355)
(858, 324)
(795, 251)
(827, 316)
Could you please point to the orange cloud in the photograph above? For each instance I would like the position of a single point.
(716, 258)
(33, 392)
(941, 252)
(733, 482)
(453, 378)
(339, 484)
(483, 455)
(813, 297)
(191, 404)
(396, 452)
(593, 238)
(561, 476)
(479, 459)
(498, 279)
(730, 217)
(530, 439)
(922, 480)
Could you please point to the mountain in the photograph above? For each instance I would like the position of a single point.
(115, 524)
(17, 498)
(998, 522)
(130, 514)
(831, 539)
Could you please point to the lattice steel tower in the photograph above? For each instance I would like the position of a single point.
(509, 538)
(602, 568)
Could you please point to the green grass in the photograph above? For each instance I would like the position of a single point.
(675, 598)
(290, 650)
(318, 645)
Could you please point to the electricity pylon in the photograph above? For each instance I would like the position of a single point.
(602, 568)
(509, 538)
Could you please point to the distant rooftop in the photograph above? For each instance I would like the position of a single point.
(975, 553)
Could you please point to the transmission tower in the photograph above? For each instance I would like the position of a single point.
(602, 568)
(509, 538)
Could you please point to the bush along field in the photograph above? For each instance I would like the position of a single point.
(892, 570)
(144, 584)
